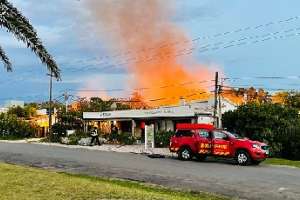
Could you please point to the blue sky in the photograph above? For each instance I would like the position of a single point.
(66, 33)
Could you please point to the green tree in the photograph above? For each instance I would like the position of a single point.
(14, 22)
(287, 98)
(98, 105)
(27, 112)
(255, 120)
(17, 111)
(275, 124)
(293, 99)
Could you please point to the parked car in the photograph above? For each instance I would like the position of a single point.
(202, 140)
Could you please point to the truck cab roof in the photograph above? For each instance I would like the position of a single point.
(187, 126)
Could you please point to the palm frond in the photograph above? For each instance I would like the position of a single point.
(5, 60)
(20, 27)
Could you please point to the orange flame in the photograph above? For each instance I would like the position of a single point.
(144, 30)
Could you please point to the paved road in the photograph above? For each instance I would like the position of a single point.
(252, 182)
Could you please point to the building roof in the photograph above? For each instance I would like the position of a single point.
(188, 110)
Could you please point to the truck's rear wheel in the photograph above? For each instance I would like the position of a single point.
(185, 153)
(243, 158)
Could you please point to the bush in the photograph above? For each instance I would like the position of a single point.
(11, 126)
(58, 131)
(78, 135)
(126, 138)
(162, 138)
(73, 139)
(277, 125)
(285, 143)
(59, 128)
(121, 138)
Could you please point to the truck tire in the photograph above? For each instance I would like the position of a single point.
(242, 158)
(185, 154)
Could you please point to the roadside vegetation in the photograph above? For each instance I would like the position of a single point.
(29, 183)
(277, 124)
(284, 162)
(13, 128)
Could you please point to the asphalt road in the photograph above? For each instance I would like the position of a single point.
(251, 182)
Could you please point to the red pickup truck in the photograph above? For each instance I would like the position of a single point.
(202, 140)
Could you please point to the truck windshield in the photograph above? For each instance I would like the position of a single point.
(234, 135)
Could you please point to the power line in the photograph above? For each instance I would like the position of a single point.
(140, 89)
(263, 77)
(212, 36)
(255, 39)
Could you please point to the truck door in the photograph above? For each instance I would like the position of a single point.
(220, 144)
(204, 144)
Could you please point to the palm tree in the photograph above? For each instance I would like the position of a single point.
(14, 22)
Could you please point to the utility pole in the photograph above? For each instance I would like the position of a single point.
(50, 103)
(66, 97)
(216, 99)
(220, 105)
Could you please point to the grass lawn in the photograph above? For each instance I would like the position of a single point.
(280, 161)
(18, 182)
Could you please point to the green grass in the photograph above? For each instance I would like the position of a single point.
(30, 183)
(280, 161)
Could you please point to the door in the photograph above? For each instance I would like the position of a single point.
(204, 142)
(220, 144)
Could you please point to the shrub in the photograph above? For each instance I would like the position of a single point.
(11, 126)
(277, 125)
(78, 135)
(126, 138)
(59, 128)
(121, 138)
(285, 142)
(58, 131)
(162, 138)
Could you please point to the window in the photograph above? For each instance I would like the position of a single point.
(234, 135)
(203, 133)
(184, 133)
(219, 135)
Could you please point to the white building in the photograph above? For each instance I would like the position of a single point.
(163, 118)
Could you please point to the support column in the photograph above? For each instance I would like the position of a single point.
(133, 125)
(85, 126)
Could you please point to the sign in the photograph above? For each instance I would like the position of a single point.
(179, 111)
(149, 136)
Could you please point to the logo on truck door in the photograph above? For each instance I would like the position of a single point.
(221, 149)
(220, 144)
(205, 148)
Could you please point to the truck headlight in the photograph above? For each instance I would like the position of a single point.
(255, 146)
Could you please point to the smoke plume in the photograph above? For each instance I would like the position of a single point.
(152, 46)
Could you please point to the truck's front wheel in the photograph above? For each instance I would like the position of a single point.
(243, 158)
(185, 153)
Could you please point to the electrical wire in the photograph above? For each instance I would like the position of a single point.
(198, 38)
